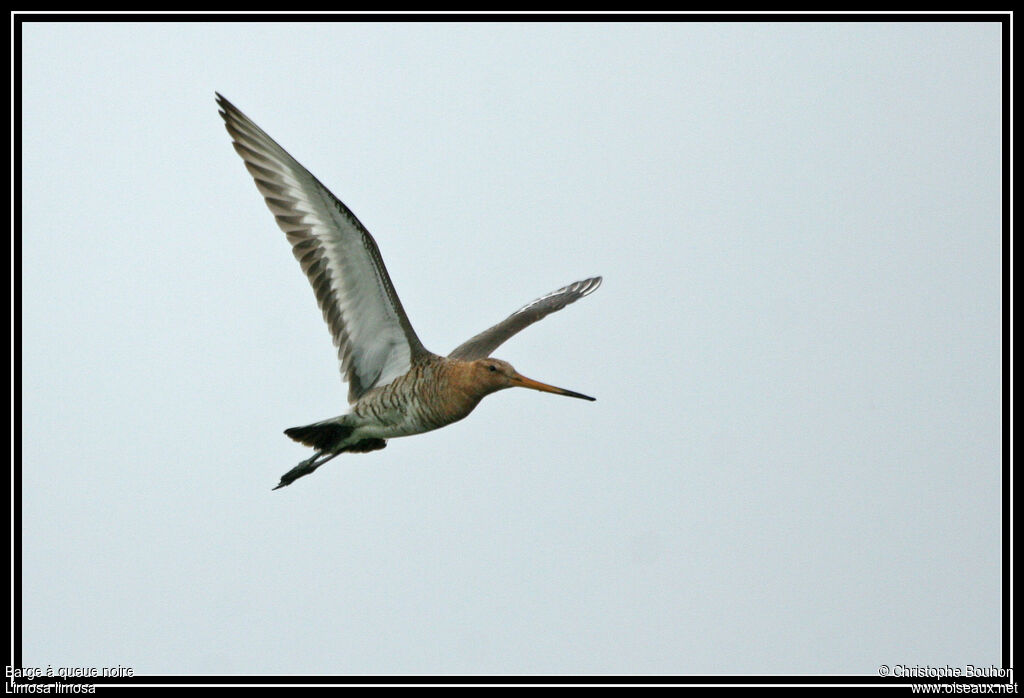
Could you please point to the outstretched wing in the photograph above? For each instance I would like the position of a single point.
(487, 341)
(375, 341)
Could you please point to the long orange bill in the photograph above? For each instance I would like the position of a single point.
(545, 388)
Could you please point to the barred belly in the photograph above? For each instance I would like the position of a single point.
(422, 400)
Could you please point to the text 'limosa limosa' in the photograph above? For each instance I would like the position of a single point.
(396, 387)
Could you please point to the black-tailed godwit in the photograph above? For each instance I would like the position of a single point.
(396, 387)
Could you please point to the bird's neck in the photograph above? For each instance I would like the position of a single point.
(464, 391)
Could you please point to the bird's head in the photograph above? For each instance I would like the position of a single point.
(495, 374)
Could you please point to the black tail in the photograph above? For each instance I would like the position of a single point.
(323, 436)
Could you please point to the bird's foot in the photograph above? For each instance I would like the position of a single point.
(304, 468)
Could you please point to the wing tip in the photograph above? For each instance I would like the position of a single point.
(229, 112)
(590, 285)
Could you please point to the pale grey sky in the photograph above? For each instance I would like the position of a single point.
(793, 463)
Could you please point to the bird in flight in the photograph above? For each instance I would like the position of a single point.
(396, 387)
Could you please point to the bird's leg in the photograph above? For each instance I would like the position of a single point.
(305, 468)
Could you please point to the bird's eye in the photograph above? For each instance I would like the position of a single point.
(492, 367)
